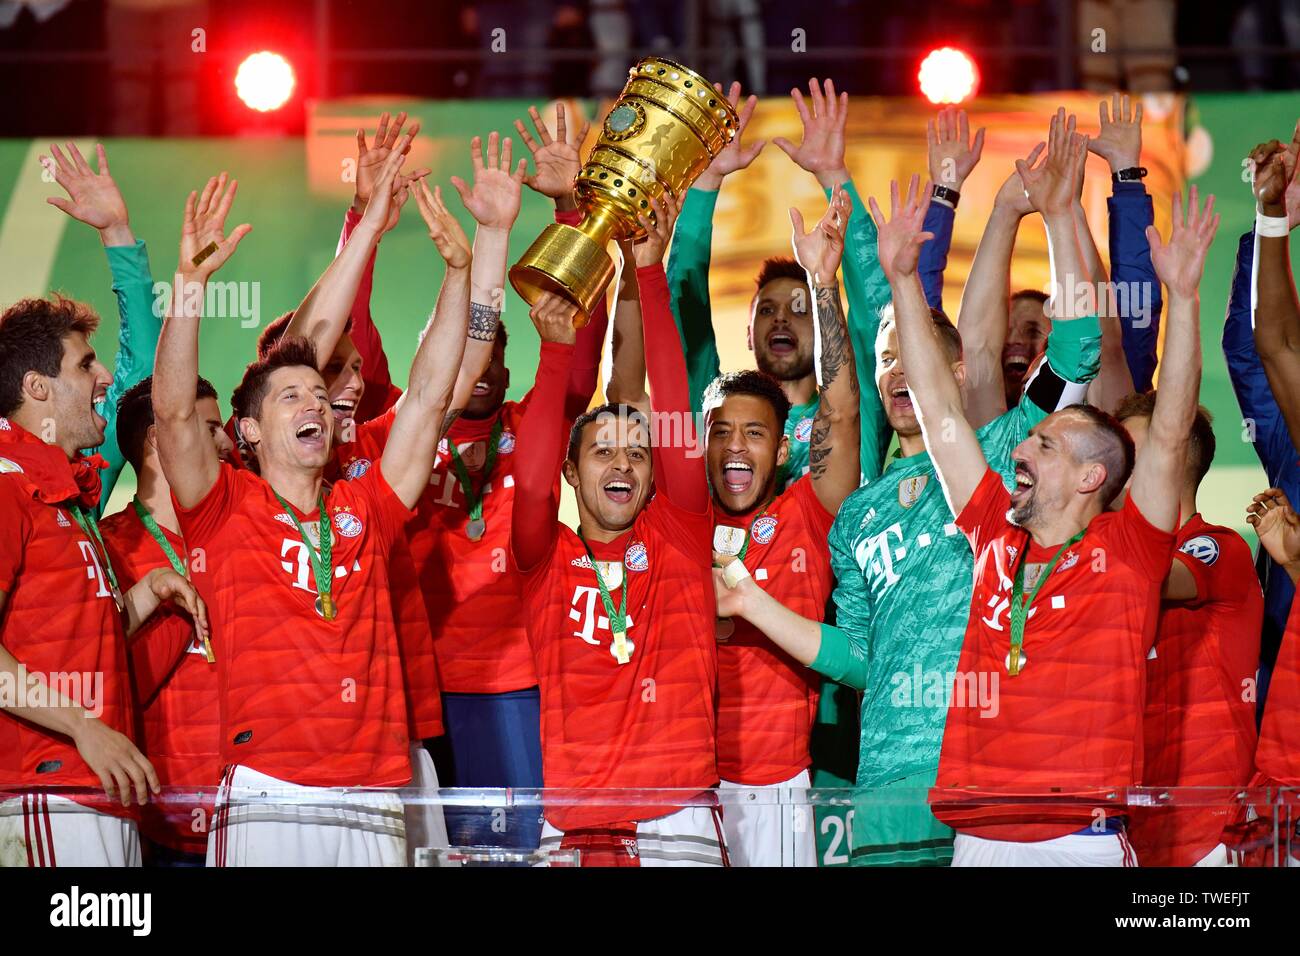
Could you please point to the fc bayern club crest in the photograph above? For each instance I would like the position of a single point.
(803, 430)
(1203, 548)
(636, 557)
(348, 524)
(506, 443)
(910, 489)
(764, 528)
(356, 468)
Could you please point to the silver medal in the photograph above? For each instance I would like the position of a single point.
(474, 529)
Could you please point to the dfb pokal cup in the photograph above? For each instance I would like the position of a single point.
(666, 127)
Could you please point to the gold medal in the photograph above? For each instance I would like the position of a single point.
(1021, 660)
(728, 540)
(621, 648)
(325, 607)
(723, 628)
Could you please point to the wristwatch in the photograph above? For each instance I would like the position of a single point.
(950, 196)
(1131, 174)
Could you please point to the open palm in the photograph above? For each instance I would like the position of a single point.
(558, 161)
(93, 198)
(205, 247)
(1180, 262)
(493, 200)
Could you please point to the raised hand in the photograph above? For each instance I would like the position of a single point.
(444, 230)
(1052, 185)
(494, 199)
(821, 151)
(900, 239)
(389, 189)
(734, 155)
(1179, 262)
(557, 160)
(553, 316)
(648, 251)
(1120, 139)
(205, 247)
(1270, 180)
(371, 158)
(93, 198)
(1011, 195)
(820, 251)
(1278, 527)
(952, 153)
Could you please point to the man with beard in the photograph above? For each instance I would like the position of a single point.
(896, 555)
(620, 613)
(307, 613)
(66, 719)
(1066, 593)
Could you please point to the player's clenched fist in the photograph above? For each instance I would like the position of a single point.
(553, 316)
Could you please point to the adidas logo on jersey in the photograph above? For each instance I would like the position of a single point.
(62, 519)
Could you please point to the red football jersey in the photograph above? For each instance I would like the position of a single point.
(315, 702)
(1278, 755)
(1200, 711)
(1070, 722)
(61, 622)
(176, 689)
(420, 675)
(649, 723)
(767, 701)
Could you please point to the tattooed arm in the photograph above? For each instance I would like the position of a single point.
(833, 464)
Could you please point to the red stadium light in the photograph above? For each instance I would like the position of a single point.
(948, 75)
(264, 81)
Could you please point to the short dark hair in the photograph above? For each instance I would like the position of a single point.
(1201, 444)
(31, 340)
(617, 409)
(749, 382)
(1109, 443)
(1037, 295)
(780, 267)
(135, 416)
(275, 330)
(288, 351)
(948, 333)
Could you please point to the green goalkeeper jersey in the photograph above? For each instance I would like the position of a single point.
(903, 571)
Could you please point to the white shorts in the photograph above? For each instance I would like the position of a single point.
(769, 834)
(1073, 849)
(425, 826)
(38, 829)
(1220, 856)
(262, 821)
(693, 836)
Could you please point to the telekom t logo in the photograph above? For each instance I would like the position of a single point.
(583, 609)
(94, 572)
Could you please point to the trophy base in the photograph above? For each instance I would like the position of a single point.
(566, 262)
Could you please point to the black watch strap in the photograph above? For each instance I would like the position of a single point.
(951, 196)
(1131, 174)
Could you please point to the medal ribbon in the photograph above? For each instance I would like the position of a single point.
(617, 619)
(322, 565)
(86, 522)
(475, 502)
(173, 558)
(744, 547)
(1020, 608)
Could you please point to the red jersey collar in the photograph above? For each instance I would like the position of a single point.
(46, 471)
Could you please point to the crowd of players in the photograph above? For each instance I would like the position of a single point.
(345, 588)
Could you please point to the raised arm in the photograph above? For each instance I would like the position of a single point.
(949, 437)
(985, 303)
(952, 155)
(678, 467)
(1131, 211)
(688, 265)
(1277, 308)
(323, 314)
(185, 449)
(413, 443)
(1158, 470)
(94, 198)
(833, 462)
(542, 437)
(625, 383)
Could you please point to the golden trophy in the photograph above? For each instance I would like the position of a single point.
(664, 130)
